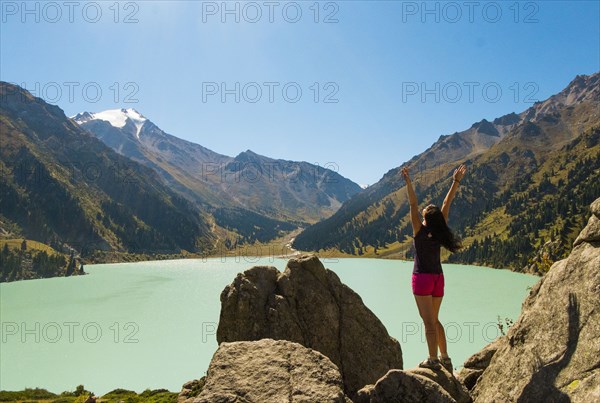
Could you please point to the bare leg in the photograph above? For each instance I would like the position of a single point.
(441, 335)
(425, 305)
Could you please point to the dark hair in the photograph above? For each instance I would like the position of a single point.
(440, 230)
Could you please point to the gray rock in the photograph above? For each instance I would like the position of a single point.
(403, 387)
(415, 385)
(552, 352)
(190, 390)
(447, 381)
(591, 232)
(595, 207)
(469, 377)
(308, 304)
(482, 358)
(477, 363)
(271, 371)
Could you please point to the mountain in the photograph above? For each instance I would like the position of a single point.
(179, 163)
(525, 170)
(63, 187)
(249, 183)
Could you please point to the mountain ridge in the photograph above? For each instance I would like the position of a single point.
(374, 223)
(63, 187)
(275, 188)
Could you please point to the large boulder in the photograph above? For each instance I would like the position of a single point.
(271, 371)
(552, 352)
(447, 381)
(190, 390)
(308, 304)
(415, 385)
(403, 387)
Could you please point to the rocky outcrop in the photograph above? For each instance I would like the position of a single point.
(591, 232)
(415, 385)
(271, 371)
(190, 390)
(447, 381)
(308, 304)
(403, 387)
(552, 352)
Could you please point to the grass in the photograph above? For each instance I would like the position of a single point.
(31, 245)
(117, 395)
(27, 395)
(278, 248)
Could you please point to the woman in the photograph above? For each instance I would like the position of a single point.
(428, 278)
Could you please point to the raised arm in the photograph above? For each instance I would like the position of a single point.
(412, 199)
(456, 178)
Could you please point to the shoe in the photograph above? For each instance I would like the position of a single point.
(447, 363)
(429, 363)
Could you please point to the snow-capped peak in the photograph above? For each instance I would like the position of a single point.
(116, 117)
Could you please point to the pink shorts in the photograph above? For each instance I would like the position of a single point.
(428, 284)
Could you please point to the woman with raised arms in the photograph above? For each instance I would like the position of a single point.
(430, 234)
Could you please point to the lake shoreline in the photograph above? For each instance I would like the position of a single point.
(119, 257)
(125, 313)
(126, 257)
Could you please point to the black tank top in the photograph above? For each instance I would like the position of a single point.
(427, 253)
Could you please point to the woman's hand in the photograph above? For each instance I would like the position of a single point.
(405, 174)
(459, 173)
(412, 201)
(457, 176)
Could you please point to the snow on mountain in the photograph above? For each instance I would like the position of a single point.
(116, 117)
(211, 179)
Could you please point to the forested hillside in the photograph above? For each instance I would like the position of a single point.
(64, 188)
(523, 201)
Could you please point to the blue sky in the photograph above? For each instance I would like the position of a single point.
(380, 81)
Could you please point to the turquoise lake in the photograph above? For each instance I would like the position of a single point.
(153, 324)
